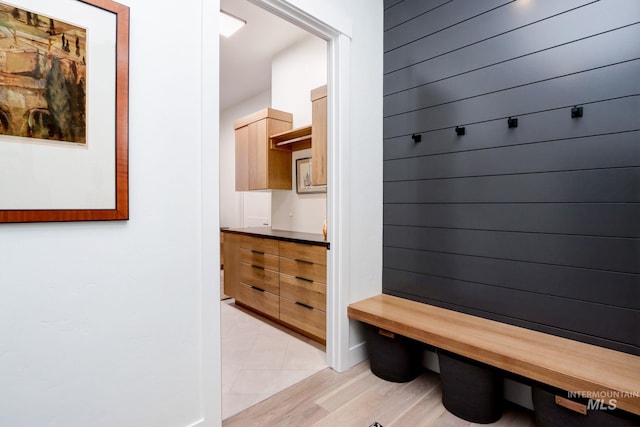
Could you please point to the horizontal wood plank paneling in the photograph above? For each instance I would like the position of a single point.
(604, 287)
(493, 24)
(550, 218)
(569, 314)
(431, 17)
(388, 4)
(606, 117)
(564, 60)
(589, 186)
(517, 321)
(609, 254)
(536, 225)
(599, 84)
(566, 29)
(411, 9)
(599, 152)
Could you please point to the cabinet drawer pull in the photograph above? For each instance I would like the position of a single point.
(257, 252)
(304, 279)
(304, 261)
(257, 289)
(257, 266)
(304, 305)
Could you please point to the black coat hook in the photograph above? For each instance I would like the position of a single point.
(576, 112)
(460, 130)
(512, 123)
(416, 138)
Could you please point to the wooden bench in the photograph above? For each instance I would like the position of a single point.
(563, 363)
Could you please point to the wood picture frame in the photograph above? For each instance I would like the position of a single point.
(304, 176)
(116, 139)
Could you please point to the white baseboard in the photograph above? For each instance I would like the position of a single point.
(357, 354)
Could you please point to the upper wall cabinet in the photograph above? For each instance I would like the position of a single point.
(258, 167)
(319, 136)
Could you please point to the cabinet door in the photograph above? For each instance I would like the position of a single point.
(258, 160)
(231, 264)
(319, 136)
(306, 318)
(242, 157)
(259, 299)
(258, 167)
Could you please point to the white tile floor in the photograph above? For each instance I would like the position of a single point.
(260, 359)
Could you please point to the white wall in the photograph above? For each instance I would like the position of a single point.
(117, 323)
(231, 201)
(298, 212)
(101, 322)
(363, 155)
(356, 271)
(294, 73)
(365, 147)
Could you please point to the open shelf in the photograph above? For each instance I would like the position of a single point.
(292, 140)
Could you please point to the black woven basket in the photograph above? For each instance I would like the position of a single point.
(393, 357)
(470, 390)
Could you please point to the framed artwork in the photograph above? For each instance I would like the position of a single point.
(303, 178)
(64, 110)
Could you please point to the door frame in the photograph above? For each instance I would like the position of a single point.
(335, 28)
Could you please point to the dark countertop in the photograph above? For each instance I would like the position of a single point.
(288, 236)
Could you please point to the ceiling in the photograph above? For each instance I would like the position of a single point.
(245, 57)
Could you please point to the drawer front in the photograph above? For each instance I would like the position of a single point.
(310, 320)
(261, 301)
(259, 244)
(303, 269)
(310, 253)
(259, 277)
(310, 293)
(260, 259)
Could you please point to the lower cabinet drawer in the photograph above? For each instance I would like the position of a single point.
(309, 253)
(306, 318)
(260, 277)
(270, 262)
(305, 291)
(260, 244)
(304, 269)
(262, 301)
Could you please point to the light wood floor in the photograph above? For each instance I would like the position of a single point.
(358, 398)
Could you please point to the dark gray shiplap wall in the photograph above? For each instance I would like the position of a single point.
(537, 226)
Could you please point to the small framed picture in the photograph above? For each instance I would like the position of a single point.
(303, 178)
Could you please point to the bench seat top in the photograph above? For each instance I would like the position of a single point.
(563, 363)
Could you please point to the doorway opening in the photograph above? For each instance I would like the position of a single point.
(286, 74)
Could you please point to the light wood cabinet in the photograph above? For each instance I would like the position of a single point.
(232, 263)
(303, 289)
(258, 167)
(265, 140)
(259, 280)
(283, 280)
(319, 136)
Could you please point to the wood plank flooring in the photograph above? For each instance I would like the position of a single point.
(358, 398)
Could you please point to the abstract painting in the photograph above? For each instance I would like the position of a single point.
(43, 76)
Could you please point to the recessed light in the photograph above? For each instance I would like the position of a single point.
(229, 24)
